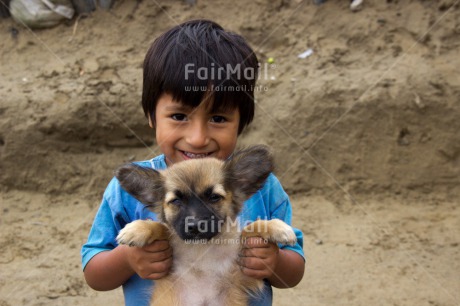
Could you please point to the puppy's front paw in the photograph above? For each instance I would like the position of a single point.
(280, 232)
(142, 232)
(273, 230)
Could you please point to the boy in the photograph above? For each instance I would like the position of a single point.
(198, 95)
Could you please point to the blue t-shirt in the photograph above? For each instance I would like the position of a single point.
(119, 208)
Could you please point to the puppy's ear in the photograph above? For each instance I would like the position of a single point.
(248, 169)
(145, 184)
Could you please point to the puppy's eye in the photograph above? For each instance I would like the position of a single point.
(176, 202)
(214, 198)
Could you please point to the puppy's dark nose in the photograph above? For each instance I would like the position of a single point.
(193, 228)
(200, 228)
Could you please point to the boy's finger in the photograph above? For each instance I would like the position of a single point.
(159, 256)
(255, 242)
(161, 266)
(155, 276)
(157, 246)
(258, 274)
(252, 263)
(255, 252)
(246, 253)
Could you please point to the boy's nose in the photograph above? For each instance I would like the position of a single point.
(197, 136)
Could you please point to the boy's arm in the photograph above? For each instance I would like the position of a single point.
(106, 264)
(284, 267)
(110, 269)
(289, 270)
(260, 259)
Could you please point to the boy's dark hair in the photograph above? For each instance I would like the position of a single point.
(198, 58)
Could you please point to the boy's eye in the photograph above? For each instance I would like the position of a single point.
(218, 119)
(179, 117)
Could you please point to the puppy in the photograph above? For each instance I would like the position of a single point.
(198, 202)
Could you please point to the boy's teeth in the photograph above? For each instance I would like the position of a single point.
(191, 155)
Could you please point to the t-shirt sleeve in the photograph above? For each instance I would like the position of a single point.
(109, 220)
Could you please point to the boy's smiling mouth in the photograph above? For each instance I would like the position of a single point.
(190, 155)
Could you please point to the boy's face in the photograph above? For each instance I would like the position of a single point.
(184, 133)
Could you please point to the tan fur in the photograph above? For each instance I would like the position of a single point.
(203, 273)
(142, 232)
(272, 230)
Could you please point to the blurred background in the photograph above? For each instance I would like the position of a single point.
(361, 107)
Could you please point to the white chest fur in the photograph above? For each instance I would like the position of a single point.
(202, 271)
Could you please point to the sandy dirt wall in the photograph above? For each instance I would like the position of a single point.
(365, 132)
(375, 106)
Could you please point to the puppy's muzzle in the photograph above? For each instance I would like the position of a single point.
(201, 228)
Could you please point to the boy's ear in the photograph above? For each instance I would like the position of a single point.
(248, 169)
(151, 124)
(145, 184)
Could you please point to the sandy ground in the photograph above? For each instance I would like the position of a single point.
(365, 132)
(381, 251)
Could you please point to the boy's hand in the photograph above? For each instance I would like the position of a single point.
(258, 258)
(152, 261)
